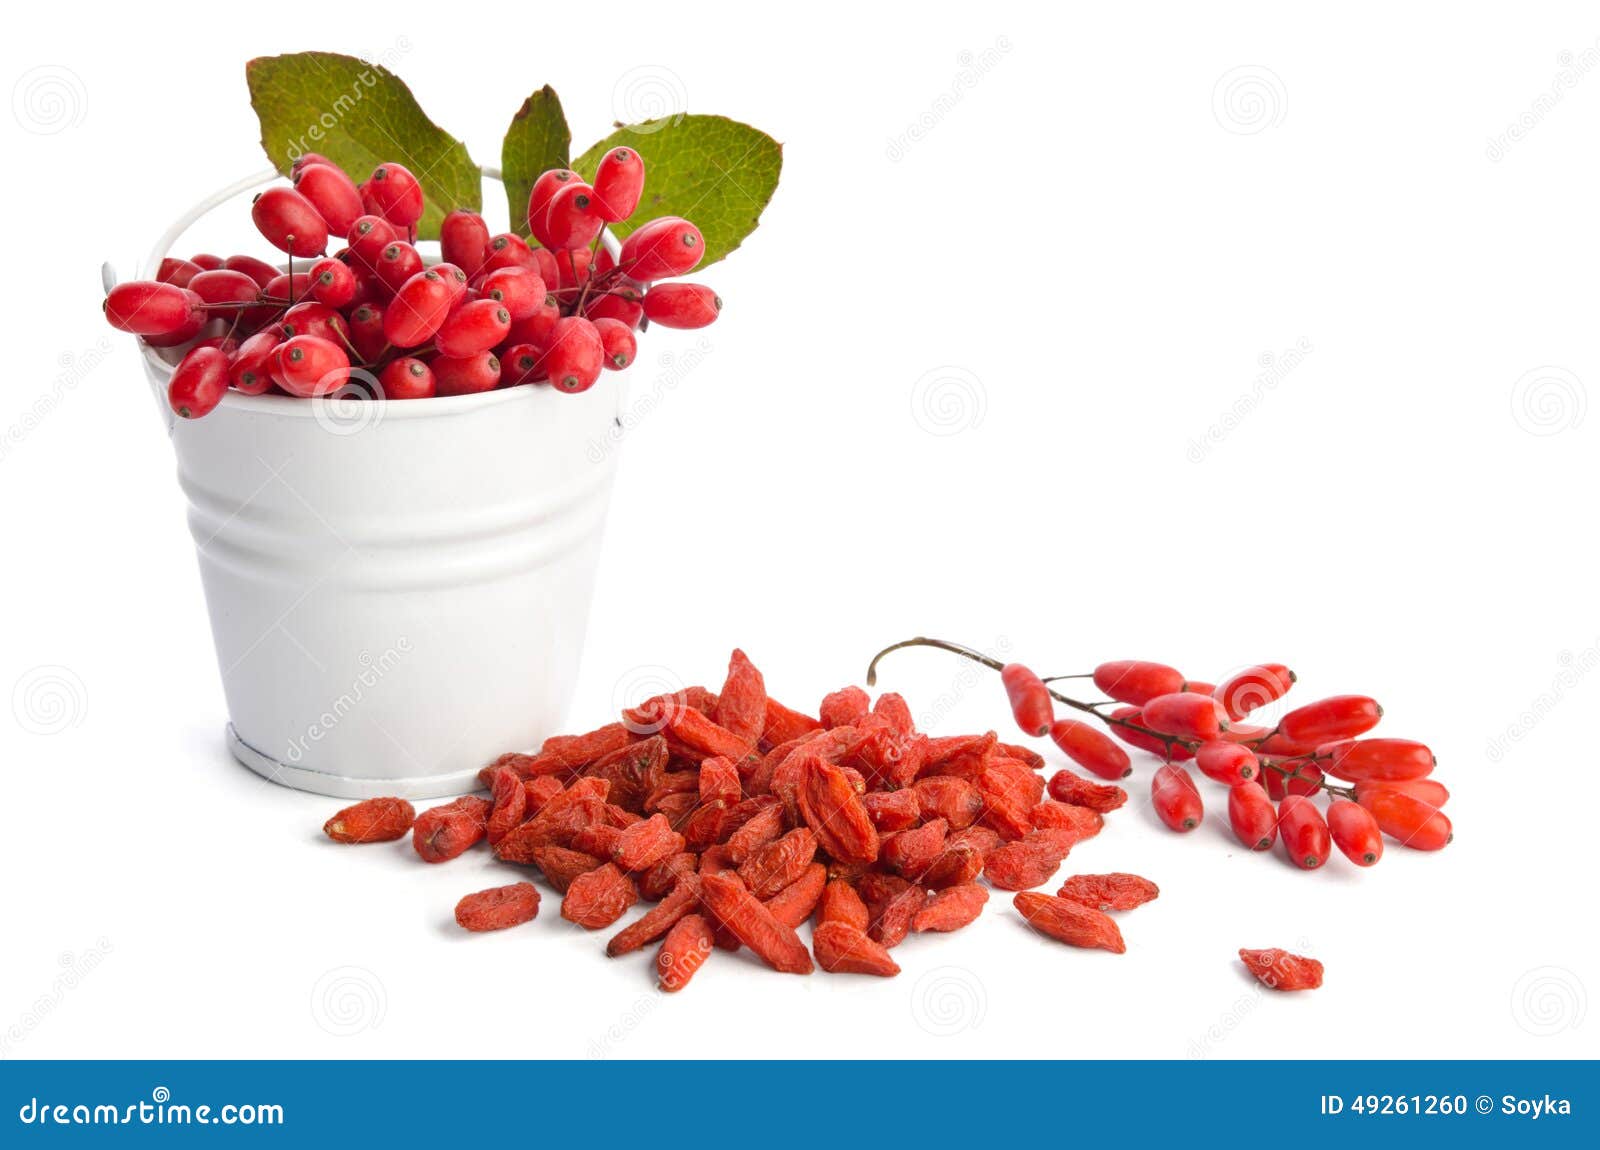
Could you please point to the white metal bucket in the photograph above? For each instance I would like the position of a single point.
(398, 591)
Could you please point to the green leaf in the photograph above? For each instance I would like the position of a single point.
(359, 115)
(713, 171)
(537, 140)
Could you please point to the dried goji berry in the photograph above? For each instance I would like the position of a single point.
(646, 843)
(658, 881)
(599, 898)
(1279, 970)
(911, 853)
(1030, 759)
(956, 801)
(1030, 860)
(687, 945)
(684, 898)
(731, 905)
(372, 821)
(761, 828)
(794, 903)
(1069, 922)
(948, 749)
(1007, 803)
(540, 791)
(832, 808)
(844, 707)
(631, 771)
(719, 781)
(706, 736)
(782, 724)
(599, 839)
(897, 711)
(842, 949)
(951, 909)
(441, 833)
(561, 865)
(963, 856)
(841, 903)
(499, 907)
(742, 703)
(1116, 891)
(779, 863)
(1056, 815)
(510, 804)
(893, 810)
(892, 903)
(703, 826)
(1067, 787)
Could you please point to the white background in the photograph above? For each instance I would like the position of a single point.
(1017, 376)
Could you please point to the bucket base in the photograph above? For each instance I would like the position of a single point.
(346, 786)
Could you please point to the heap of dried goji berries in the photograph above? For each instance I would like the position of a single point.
(740, 819)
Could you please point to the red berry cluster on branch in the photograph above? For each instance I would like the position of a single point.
(376, 319)
(1274, 775)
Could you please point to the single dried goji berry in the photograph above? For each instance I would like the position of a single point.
(498, 907)
(706, 736)
(687, 945)
(703, 826)
(760, 829)
(1081, 821)
(842, 949)
(630, 771)
(779, 863)
(911, 853)
(794, 903)
(782, 725)
(1007, 804)
(599, 898)
(575, 752)
(730, 904)
(951, 909)
(963, 856)
(371, 821)
(683, 899)
(956, 801)
(441, 833)
(841, 903)
(897, 711)
(1067, 787)
(540, 791)
(658, 881)
(1030, 860)
(1279, 970)
(561, 865)
(646, 843)
(510, 804)
(1030, 759)
(966, 749)
(833, 809)
(844, 707)
(719, 781)
(742, 703)
(1115, 891)
(893, 810)
(1069, 922)
(598, 839)
(893, 903)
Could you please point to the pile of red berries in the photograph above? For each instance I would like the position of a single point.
(376, 319)
(1274, 775)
